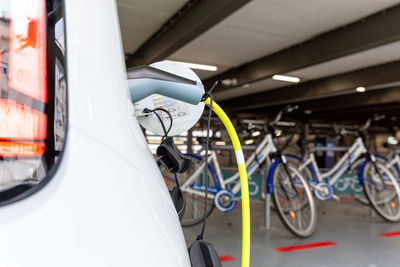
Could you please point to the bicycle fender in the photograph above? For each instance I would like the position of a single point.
(361, 171)
(270, 185)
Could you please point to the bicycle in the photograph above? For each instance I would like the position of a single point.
(380, 186)
(391, 161)
(289, 189)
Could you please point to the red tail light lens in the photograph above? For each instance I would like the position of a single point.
(19, 122)
(32, 94)
(28, 48)
(27, 75)
(21, 149)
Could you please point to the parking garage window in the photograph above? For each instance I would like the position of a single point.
(33, 95)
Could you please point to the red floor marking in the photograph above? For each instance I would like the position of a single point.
(305, 246)
(347, 198)
(225, 258)
(390, 234)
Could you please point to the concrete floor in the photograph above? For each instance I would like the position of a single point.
(346, 223)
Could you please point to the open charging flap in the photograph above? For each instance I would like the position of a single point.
(185, 115)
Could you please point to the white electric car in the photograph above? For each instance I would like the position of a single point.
(78, 184)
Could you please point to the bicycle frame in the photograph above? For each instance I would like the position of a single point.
(355, 151)
(263, 150)
(394, 161)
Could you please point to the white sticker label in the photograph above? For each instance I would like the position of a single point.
(239, 156)
(178, 109)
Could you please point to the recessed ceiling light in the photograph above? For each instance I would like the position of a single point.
(246, 86)
(229, 82)
(256, 133)
(285, 78)
(220, 143)
(197, 66)
(249, 141)
(360, 89)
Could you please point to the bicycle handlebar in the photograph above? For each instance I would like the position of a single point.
(285, 110)
(290, 108)
(364, 127)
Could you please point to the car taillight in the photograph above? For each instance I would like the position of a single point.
(23, 121)
(33, 94)
(28, 73)
(21, 149)
(19, 122)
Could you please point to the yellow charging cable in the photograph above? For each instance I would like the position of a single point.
(244, 183)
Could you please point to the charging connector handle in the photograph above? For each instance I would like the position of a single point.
(144, 81)
(244, 183)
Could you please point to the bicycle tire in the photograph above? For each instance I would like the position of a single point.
(391, 192)
(283, 193)
(362, 198)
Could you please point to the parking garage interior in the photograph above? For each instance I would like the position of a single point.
(342, 57)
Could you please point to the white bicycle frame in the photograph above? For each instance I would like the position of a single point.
(354, 152)
(263, 150)
(394, 159)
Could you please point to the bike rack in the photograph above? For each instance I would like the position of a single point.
(267, 202)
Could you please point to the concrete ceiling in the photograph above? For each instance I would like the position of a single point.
(139, 19)
(256, 30)
(264, 27)
(371, 57)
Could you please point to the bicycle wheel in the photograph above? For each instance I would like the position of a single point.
(382, 190)
(355, 169)
(293, 200)
(194, 213)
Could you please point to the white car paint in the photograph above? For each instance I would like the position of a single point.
(107, 204)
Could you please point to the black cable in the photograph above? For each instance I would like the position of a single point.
(162, 123)
(205, 96)
(200, 236)
(146, 110)
(176, 180)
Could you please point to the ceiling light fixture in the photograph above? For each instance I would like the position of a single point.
(360, 89)
(285, 78)
(229, 82)
(249, 141)
(256, 133)
(220, 143)
(197, 66)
